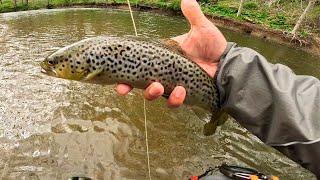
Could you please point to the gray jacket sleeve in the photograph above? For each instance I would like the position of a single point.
(278, 106)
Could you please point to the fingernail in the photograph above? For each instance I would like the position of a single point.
(153, 91)
(179, 93)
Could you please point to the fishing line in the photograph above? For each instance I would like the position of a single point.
(144, 101)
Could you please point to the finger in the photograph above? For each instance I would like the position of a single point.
(192, 11)
(177, 97)
(123, 89)
(153, 91)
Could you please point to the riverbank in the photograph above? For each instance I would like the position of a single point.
(309, 43)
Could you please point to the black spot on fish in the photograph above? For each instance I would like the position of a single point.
(122, 51)
(115, 48)
(116, 55)
(110, 49)
(70, 56)
(119, 69)
(71, 66)
(132, 61)
(72, 72)
(88, 61)
(128, 48)
(103, 62)
(78, 62)
(114, 71)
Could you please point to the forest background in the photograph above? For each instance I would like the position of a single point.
(297, 17)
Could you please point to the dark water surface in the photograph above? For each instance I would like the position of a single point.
(52, 128)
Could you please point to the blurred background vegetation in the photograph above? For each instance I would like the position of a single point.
(277, 14)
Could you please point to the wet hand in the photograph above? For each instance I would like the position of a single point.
(204, 44)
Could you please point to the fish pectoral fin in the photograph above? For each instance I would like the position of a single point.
(217, 119)
(93, 74)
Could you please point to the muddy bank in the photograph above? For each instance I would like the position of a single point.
(310, 43)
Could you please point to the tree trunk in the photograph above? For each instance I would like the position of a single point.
(240, 7)
(15, 4)
(303, 15)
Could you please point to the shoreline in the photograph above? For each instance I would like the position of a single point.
(310, 44)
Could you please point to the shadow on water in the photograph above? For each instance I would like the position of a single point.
(53, 128)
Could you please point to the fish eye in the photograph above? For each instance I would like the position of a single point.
(50, 62)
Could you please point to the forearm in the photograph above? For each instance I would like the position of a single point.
(273, 103)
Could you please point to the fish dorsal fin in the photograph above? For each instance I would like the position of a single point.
(174, 46)
(165, 42)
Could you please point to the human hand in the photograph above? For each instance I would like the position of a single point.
(204, 44)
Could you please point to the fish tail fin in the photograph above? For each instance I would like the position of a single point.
(217, 119)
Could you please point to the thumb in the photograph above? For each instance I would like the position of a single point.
(192, 11)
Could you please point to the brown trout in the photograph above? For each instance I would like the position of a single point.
(138, 62)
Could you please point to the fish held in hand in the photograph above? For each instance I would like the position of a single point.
(137, 62)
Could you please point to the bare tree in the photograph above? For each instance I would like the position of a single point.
(15, 4)
(240, 7)
(303, 15)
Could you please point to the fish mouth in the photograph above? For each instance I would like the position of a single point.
(48, 70)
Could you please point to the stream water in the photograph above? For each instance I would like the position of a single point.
(53, 128)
